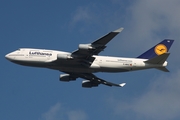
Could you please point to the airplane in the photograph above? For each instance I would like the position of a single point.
(85, 61)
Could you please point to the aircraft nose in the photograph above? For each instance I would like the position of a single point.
(7, 56)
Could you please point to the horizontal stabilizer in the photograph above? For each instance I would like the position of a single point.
(158, 59)
(163, 69)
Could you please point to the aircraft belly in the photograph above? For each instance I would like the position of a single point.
(74, 69)
(71, 66)
(63, 66)
(114, 70)
(30, 63)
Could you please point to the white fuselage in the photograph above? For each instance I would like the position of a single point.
(48, 59)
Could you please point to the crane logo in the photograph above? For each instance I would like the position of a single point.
(160, 49)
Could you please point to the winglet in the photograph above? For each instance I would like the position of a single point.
(122, 84)
(119, 30)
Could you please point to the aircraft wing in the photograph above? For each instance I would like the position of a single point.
(91, 78)
(94, 48)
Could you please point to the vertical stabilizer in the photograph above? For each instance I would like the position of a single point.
(160, 48)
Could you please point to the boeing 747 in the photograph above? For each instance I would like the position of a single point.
(85, 61)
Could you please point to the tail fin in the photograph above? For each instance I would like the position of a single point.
(160, 48)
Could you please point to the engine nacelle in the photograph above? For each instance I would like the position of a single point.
(66, 78)
(88, 84)
(64, 56)
(86, 47)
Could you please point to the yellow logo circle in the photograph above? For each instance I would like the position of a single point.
(160, 49)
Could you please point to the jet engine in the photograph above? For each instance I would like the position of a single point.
(66, 78)
(64, 56)
(89, 84)
(86, 47)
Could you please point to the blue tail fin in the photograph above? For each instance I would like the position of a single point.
(160, 48)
